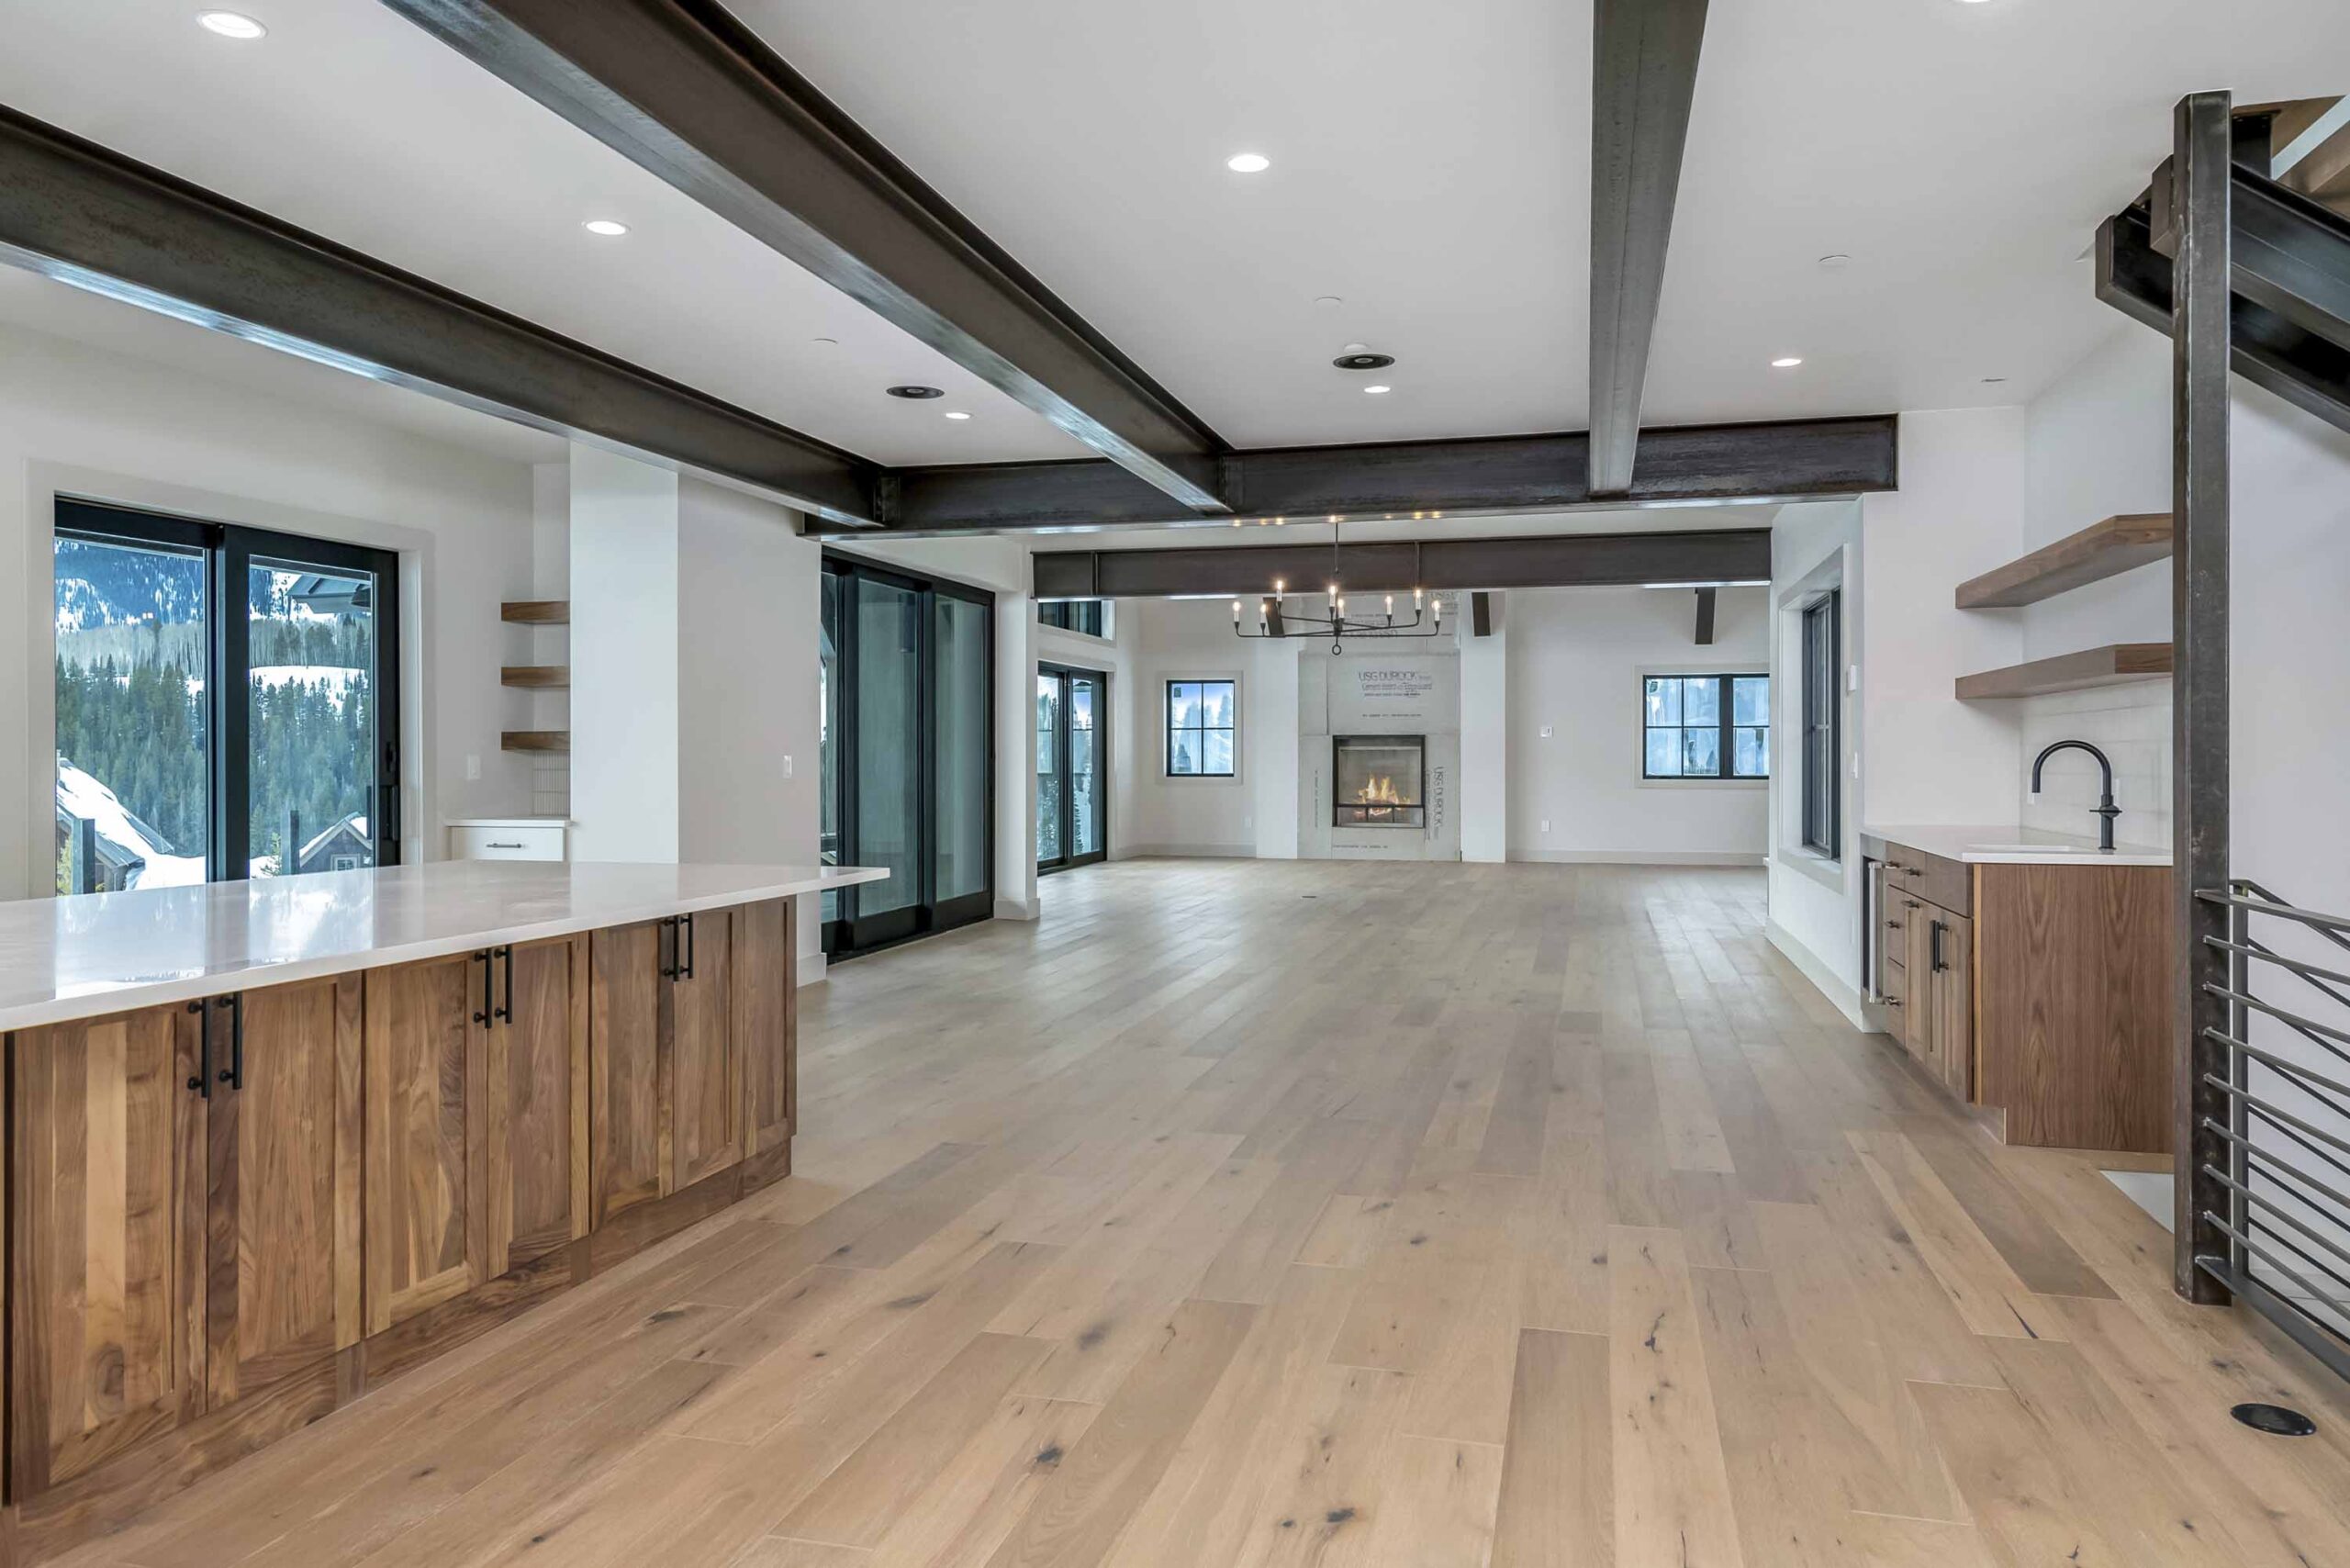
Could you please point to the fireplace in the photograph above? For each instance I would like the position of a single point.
(1377, 780)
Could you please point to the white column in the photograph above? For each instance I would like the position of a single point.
(1484, 736)
(1273, 739)
(624, 730)
(1015, 757)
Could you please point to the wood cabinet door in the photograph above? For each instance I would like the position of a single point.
(538, 1101)
(767, 1046)
(628, 1126)
(1918, 972)
(107, 1276)
(705, 1088)
(1953, 1008)
(283, 1209)
(426, 1030)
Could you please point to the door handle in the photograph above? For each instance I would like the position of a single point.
(233, 1075)
(507, 1010)
(202, 1082)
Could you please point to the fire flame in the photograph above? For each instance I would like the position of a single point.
(1379, 791)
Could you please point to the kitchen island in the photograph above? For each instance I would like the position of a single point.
(271, 1143)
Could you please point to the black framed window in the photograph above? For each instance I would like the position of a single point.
(1091, 616)
(1072, 767)
(1706, 726)
(1823, 784)
(228, 701)
(1201, 729)
(907, 687)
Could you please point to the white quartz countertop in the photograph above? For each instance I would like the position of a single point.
(2008, 844)
(95, 953)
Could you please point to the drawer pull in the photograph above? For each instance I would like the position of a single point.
(493, 844)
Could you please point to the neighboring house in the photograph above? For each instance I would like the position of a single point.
(345, 846)
(105, 848)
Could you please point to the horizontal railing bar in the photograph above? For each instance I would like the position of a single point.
(2285, 1014)
(2331, 924)
(2287, 1217)
(2303, 1327)
(2233, 1137)
(2257, 1103)
(2249, 1244)
(2310, 973)
(2290, 1068)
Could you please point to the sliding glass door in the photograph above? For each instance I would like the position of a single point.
(1073, 805)
(227, 701)
(909, 753)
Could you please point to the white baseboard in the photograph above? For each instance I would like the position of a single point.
(1194, 851)
(811, 969)
(1638, 856)
(1823, 978)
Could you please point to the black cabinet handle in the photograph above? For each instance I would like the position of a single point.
(493, 844)
(669, 963)
(233, 1075)
(202, 1082)
(690, 948)
(1935, 934)
(482, 1014)
(506, 1012)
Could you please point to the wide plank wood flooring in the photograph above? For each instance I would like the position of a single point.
(1275, 1213)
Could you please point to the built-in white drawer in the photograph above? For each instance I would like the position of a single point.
(534, 841)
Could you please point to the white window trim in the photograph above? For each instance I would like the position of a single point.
(1640, 677)
(1239, 724)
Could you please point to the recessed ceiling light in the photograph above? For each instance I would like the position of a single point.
(1358, 361)
(1329, 301)
(1995, 381)
(232, 25)
(828, 342)
(1786, 362)
(916, 394)
(1835, 261)
(1248, 163)
(1375, 391)
(957, 414)
(610, 228)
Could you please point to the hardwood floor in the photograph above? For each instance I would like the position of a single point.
(1273, 1213)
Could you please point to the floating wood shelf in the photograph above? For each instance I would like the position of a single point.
(2100, 551)
(536, 740)
(544, 677)
(536, 611)
(2113, 665)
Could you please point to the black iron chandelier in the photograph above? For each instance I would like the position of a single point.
(1330, 619)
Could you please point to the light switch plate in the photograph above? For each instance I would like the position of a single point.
(1546, 731)
(787, 766)
(473, 767)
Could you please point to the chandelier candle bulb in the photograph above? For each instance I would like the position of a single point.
(1236, 612)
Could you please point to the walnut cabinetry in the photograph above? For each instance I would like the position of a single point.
(228, 1216)
(2036, 991)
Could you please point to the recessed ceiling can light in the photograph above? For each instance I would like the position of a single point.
(1375, 391)
(1248, 163)
(1836, 260)
(1364, 361)
(916, 394)
(828, 342)
(1329, 301)
(1786, 362)
(957, 414)
(610, 228)
(232, 25)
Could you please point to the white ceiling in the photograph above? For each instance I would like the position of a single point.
(348, 120)
(1430, 167)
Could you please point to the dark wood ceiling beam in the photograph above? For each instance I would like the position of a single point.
(78, 211)
(1644, 79)
(1694, 464)
(685, 90)
(1566, 560)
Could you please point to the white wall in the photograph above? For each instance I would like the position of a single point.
(1192, 640)
(1575, 657)
(88, 422)
(550, 579)
(625, 739)
(1490, 773)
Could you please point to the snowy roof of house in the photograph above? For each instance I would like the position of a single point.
(126, 839)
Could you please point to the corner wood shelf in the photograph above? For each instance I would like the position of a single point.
(2117, 663)
(2100, 551)
(535, 740)
(536, 611)
(538, 677)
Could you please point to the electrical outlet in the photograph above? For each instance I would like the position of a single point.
(1546, 824)
(787, 766)
(1247, 822)
(1852, 677)
(473, 767)
(1546, 731)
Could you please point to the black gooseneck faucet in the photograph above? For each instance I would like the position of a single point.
(2106, 810)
